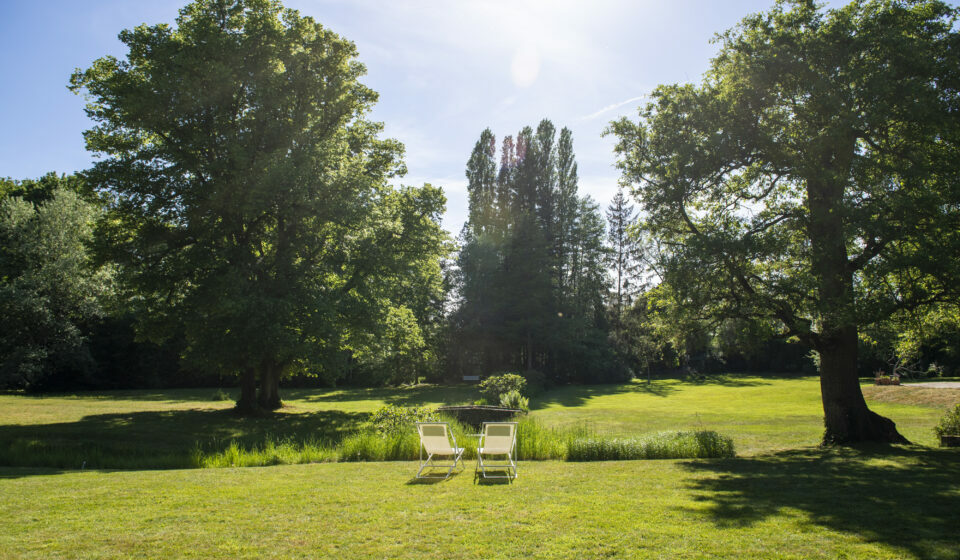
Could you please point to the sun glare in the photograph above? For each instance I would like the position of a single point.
(525, 66)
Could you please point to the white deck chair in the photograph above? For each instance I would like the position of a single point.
(498, 438)
(435, 438)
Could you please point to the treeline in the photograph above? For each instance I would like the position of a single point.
(241, 226)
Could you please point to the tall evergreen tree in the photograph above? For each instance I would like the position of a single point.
(532, 266)
(624, 254)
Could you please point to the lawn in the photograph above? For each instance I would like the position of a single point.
(780, 498)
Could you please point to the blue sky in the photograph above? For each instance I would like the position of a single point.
(445, 70)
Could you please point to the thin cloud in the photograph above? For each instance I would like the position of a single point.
(611, 107)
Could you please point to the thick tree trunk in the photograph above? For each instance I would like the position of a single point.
(846, 416)
(269, 398)
(247, 404)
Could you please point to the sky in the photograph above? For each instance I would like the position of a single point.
(445, 70)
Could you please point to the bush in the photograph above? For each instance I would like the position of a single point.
(390, 419)
(950, 423)
(665, 445)
(496, 385)
(513, 399)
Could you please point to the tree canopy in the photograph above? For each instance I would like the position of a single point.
(250, 196)
(811, 180)
(51, 288)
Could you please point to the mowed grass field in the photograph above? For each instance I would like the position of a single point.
(780, 498)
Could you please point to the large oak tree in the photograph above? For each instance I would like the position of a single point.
(811, 179)
(253, 213)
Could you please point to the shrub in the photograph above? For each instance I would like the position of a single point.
(950, 423)
(513, 399)
(389, 419)
(935, 370)
(665, 445)
(496, 385)
(221, 395)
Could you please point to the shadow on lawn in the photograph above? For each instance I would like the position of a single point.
(410, 396)
(907, 497)
(161, 439)
(577, 395)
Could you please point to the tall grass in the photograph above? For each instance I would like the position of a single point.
(665, 445)
(535, 442)
(271, 452)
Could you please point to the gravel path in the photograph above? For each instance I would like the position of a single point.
(936, 384)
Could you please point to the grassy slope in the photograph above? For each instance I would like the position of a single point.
(904, 505)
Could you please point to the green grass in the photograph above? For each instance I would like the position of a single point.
(780, 498)
(900, 503)
(186, 428)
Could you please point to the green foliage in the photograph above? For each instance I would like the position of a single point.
(392, 419)
(665, 445)
(496, 385)
(221, 395)
(271, 452)
(950, 423)
(513, 399)
(51, 289)
(373, 446)
(251, 203)
(531, 273)
(538, 441)
(537, 382)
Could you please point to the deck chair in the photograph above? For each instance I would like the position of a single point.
(435, 438)
(498, 439)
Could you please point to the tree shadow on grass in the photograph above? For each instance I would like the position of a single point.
(162, 439)
(407, 396)
(578, 395)
(199, 396)
(729, 380)
(906, 497)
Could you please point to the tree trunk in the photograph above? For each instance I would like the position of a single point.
(270, 386)
(247, 404)
(846, 416)
(529, 351)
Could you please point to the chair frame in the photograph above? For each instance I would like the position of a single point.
(510, 466)
(430, 462)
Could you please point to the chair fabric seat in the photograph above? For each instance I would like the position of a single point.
(494, 450)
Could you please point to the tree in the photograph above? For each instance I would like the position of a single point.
(531, 273)
(811, 179)
(262, 228)
(51, 291)
(624, 253)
